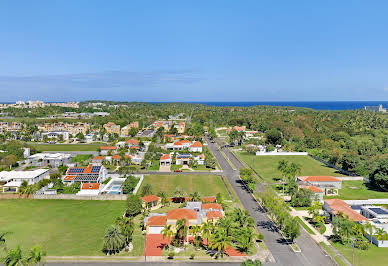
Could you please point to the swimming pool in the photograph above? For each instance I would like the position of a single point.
(116, 188)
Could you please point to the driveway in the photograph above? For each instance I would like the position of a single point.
(154, 245)
(311, 253)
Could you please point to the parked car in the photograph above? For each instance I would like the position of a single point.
(178, 171)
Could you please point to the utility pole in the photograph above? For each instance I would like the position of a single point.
(353, 249)
(145, 249)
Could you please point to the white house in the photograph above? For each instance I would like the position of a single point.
(13, 179)
(90, 189)
(165, 159)
(196, 147)
(56, 134)
(49, 159)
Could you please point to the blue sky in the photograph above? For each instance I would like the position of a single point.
(194, 50)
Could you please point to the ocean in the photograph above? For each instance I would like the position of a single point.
(334, 105)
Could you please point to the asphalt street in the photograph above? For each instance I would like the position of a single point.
(311, 253)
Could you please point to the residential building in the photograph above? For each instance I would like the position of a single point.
(49, 159)
(90, 189)
(317, 192)
(125, 130)
(196, 147)
(132, 143)
(192, 146)
(183, 159)
(378, 108)
(112, 128)
(181, 126)
(328, 184)
(195, 213)
(165, 160)
(89, 174)
(151, 202)
(97, 160)
(10, 127)
(57, 135)
(104, 150)
(334, 206)
(12, 180)
(73, 129)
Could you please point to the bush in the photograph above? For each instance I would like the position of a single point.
(261, 237)
(171, 255)
(192, 256)
(134, 205)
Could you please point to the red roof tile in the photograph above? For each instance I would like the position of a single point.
(196, 144)
(312, 188)
(214, 214)
(214, 206)
(338, 205)
(116, 157)
(319, 179)
(69, 177)
(99, 158)
(157, 220)
(209, 199)
(108, 148)
(165, 157)
(150, 198)
(132, 141)
(90, 186)
(178, 214)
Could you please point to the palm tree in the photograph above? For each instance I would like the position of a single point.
(220, 241)
(207, 229)
(179, 193)
(3, 240)
(227, 224)
(35, 256)
(14, 257)
(195, 232)
(195, 196)
(168, 232)
(369, 226)
(380, 234)
(113, 240)
(127, 227)
(164, 198)
(282, 167)
(146, 190)
(181, 230)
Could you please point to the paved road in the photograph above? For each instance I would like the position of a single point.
(311, 253)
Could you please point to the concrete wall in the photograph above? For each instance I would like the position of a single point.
(367, 202)
(65, 197)
(379, 243)
(359, 178)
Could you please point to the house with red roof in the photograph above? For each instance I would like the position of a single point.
(90, 189)
(88, 174)
(195, 213)
(165, 160)
(328, 184)
(105, 150)
(336, 206)
(317, 192)
(151, 202)
(185, 144)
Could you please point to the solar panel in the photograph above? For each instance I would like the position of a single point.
(378, 210)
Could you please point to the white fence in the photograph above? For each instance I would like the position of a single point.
(282, 153)
(367, 202)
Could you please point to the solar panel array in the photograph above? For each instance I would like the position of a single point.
(379, 210)
(76, 170)
(96, 169)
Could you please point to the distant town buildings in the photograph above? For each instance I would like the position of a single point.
(378, 108)
(35, 104)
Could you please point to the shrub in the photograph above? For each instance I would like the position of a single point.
(261, 237)
(171, 255)
(192, 256)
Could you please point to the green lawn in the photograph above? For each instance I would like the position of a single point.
(266, 166)
(66, 147)
(332, 254)
(358, 190)
(61, 227)
(206, 185)
(373, 256)
(305, 226)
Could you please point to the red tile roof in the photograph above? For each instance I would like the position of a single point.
(312, 188)
(181, 142)
(338, 205)
(69, 177)
(108, 148)
(132, 141)
(116, 157)
(178, 214)
(165, 157)
(90, 186)
(214, 206)
(150, 198)
(319, 179)
(196, 144)
(214, 214)
(128, 156)
(157, 220)
(209, 199)
(99, 158)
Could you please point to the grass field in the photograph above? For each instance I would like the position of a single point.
(66, 147)
(206, 185)
(358, 190)
(373, 256)
(61, 227)
(266, 166)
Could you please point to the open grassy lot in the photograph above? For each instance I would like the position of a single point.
(373, 256)
(60, 227)
(358, 190)
(266, 166)
(66, 147)
(206, 185)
